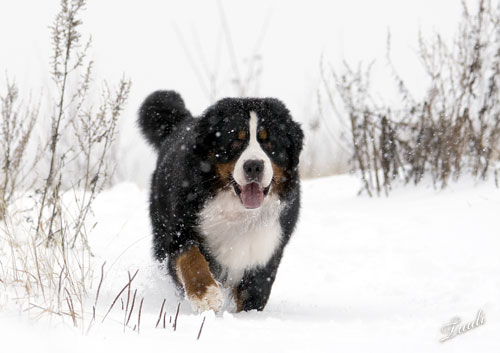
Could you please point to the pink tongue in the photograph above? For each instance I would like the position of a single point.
(252, 195)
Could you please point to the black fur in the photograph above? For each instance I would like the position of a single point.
(185, 177)
(159, 115)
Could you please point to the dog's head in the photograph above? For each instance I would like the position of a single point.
(252, 145)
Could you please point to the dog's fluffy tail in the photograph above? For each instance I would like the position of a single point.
(160, 114)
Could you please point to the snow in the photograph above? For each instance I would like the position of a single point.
(360, 274)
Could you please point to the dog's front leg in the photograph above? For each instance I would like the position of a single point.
(200, 287)
(252, 293)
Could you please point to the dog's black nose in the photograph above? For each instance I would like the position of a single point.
(254, 169)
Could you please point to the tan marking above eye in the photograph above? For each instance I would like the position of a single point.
(242, 134)
(263, 134)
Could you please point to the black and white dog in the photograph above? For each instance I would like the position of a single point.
(225, 194)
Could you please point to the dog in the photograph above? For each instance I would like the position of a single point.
(225, 195)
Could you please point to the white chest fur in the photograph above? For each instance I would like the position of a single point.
(240, 238)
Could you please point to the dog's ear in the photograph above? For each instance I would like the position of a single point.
(291, 129)
(296, 136)
(206, 130)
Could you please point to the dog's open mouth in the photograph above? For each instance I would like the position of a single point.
(252, 194)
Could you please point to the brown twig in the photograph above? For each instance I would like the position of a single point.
(100, 283)
(132, 306)
(201, 328)
(119, 294)
(139, 316)
(176, 315)
(161, 312)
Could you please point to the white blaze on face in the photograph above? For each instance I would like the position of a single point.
(253, 152)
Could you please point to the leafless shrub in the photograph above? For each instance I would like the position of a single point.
(18, 121)
(43, 237)
(94, 131)
(454, 129)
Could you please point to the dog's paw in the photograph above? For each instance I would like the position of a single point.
(211, 300)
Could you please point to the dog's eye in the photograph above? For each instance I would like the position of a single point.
(237, 144)
(268, 145)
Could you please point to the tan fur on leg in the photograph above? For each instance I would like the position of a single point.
(199, 284)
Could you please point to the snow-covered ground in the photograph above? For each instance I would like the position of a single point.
(360, 274)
